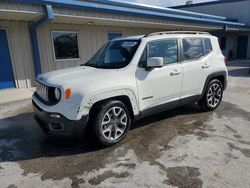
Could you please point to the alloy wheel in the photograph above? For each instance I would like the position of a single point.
(214, 95)
(114, 123)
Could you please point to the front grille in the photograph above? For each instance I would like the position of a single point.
(42, 91)
(46, 94)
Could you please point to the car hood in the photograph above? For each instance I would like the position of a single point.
(71, 75)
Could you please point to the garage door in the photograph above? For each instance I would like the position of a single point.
(6, 72)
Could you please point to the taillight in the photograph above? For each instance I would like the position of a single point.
(225, 60)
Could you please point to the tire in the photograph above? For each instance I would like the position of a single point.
(112, 122)
(212, 96)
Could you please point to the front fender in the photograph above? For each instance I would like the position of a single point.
(88, 102)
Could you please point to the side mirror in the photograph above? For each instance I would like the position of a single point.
(155, 62)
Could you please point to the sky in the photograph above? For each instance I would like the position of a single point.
(164, 3)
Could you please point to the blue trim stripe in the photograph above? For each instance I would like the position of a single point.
(49, 15)
(36, 54)
(160, 9)
(207, 3)
(113, 8)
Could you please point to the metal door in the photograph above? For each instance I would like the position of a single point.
(6, 72)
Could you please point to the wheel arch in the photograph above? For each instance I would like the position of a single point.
(123, 98)
(221, 75)
(126, 96)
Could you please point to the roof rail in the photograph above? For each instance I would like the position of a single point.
(177, 32)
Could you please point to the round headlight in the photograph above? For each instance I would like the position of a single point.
(57, 94)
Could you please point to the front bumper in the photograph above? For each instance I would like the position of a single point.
(59, 125)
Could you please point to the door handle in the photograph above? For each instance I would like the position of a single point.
(205, 66)
(175, 72)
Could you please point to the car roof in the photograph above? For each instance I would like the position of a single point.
(138, 37)
(166, 34)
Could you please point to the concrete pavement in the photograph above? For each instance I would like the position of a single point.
(11, 95)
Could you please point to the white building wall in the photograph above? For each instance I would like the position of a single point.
(20, 52)
(90, 39)
(239, 10)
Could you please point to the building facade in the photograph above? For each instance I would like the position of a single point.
(234, 44)
(37, 36)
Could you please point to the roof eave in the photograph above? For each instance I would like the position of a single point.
(98, 5)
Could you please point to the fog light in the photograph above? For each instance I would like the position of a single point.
(56, 116)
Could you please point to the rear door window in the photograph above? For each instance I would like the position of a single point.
(207, 45)
(192, 48)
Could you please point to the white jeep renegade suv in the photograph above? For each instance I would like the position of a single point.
(130, 78)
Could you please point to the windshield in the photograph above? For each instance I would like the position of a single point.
(114, 54)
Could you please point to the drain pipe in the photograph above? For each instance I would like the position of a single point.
(225, 28)
(49, 15)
